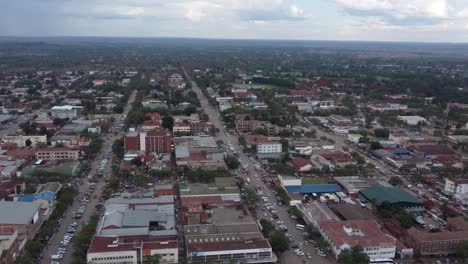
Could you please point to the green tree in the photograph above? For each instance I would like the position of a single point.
(381, 133)
(404, 218)
(313, 232)
(154, 259)
(395, 181)
(355, 255)
(118, 148)
(259, 131)
(375, 145)
(294, 211)
(140, 180)
(462, 250)
(279, 242)
(30, 189)
(232, 162)
(251, 197)
(168, 122)
(358, 158)
(267, 227)
(242, 141)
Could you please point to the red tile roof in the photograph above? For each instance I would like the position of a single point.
(299, 162)
(127, 243)
(371, 236)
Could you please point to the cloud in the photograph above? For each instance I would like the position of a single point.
(400, 11)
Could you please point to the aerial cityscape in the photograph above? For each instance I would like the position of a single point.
(224, 133)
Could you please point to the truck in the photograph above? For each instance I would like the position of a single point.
(56, 257)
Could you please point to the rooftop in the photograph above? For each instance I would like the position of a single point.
(365, 233)
(17, 212)
(390, 194)
(313, 188)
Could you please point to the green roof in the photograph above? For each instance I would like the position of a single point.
(392, 195)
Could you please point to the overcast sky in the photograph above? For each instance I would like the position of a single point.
(381, 20)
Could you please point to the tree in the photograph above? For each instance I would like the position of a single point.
(259, 131)
(358, 158)
(242, 141)
(30, 189)
(251, 197)
(154, 259)
(28, 142)
(355, 255)
(267, 227)
(140, 180)
(375, 145)
(168, 122)
(118, 148)
(381, 133)
(294, 211)
(405, 219)
(313, 232)
(462, 250)
(231, 162)
(137, 162)
(279, 242)
(395, 181)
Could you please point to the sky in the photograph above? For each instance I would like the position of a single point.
(369, 20)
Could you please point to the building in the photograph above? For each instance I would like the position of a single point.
(198, 152)
(269, 150)
(457, 188)
(343, 235)
(63, 112)
(8, 244)
(24, 217)
(331, 159)
(387, 107)
(57, 154)
(301, 164)
(23, 141)
(155, 141)
(338, 120)
(351, 185)
(182, 128)
(132, 249)
(241, 242)
(65, 140)
(245, 125)
(223, 192)
(135, 227)
(316, 212)
(412, 120)
(392, 195)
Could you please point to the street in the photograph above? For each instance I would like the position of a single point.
(297, 236)
(54, 241)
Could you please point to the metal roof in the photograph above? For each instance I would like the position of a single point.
(313, 188)
(390, 194)
(17, 212)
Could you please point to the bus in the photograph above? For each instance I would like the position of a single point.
(381, 261)
(300, 227)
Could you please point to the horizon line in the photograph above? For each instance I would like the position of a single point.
(238, 39)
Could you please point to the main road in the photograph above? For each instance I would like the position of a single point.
(54, 242)
(297, 236)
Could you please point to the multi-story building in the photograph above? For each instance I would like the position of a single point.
(343, 235)
(441, 243)
(247, 126)
(8, 244)
(458, 188)
(57, 154)
(338, 120)
(269, 149)
(155, 141)
(24, 217)
(65, 111)
(241, 242)
(181, 127)
(133, 229)
(22, 141)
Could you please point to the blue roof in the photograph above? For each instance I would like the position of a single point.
(48, 196)
(26, 198)
(313, 188)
